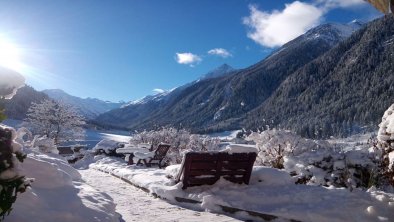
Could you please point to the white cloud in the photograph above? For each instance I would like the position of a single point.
(272, 29)
(276, 28)
(187, 58)
(157, 91)
(220, 52)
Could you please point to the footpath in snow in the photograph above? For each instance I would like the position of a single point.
(136, 205)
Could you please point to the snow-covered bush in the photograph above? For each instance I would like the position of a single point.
(314, 162)
(11, 180)
(328, 167)
(274, 145)
(383, 148)
(180, 140)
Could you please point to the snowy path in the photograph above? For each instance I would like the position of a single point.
(136, 205)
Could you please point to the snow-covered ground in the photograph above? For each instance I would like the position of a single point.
(136, 205)
(225, 135)
(270, 191)
(354, 142)
(58, 194)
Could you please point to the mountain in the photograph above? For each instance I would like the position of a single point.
(139, 111)
(222, 70)
(16, 108)
(90, 108)
(338, 93)
(211, 104)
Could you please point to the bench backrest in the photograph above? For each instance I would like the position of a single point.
(161, 151)
(206, 168)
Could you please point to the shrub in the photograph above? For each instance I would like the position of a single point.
(314, 162)
(11, 182)
(383, 148)
(329, 167)
(274, 145)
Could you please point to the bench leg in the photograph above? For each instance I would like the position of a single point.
(138, 162)
(130, 162)
(146, 163)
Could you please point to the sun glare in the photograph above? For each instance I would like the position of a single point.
(9, 55)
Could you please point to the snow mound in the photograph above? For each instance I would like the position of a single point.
(57, 194)
(106, 145)
(240, 148)
(270, 176)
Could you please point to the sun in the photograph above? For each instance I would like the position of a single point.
(9, 55)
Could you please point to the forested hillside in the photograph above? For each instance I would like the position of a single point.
(340, 92)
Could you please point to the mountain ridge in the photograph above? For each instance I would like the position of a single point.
(90, 108)
(210, 104)
(344, 90)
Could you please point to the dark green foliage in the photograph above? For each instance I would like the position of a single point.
(9, 187)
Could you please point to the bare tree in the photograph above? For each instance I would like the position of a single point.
(55, 120)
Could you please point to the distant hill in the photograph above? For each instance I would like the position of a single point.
(90, 108)
(16, 108)
(220, 103)
(347, 88)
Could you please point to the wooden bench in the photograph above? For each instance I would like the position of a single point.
(206, 168)
(157, 156)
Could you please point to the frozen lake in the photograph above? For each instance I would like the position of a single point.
(92, 137)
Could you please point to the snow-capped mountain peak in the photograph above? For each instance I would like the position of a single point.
(331, 32)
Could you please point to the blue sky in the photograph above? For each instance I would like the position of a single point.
(123, 50)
